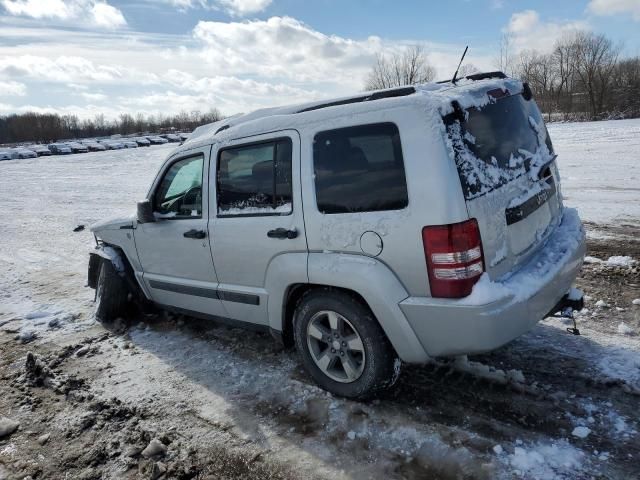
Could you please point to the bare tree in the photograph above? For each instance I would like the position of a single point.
(504, 59)
(467, 69)
(409, 67)
(625, 88)
(596, 58)
(127, 123)
(582, 78)
(140, 122)
(564, 60)
(539, 71)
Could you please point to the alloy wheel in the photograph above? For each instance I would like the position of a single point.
(335, 346)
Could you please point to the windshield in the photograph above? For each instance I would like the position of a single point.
(498, 143)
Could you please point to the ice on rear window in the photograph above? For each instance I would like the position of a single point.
(497, 143)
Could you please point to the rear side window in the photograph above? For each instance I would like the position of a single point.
(255, 179)
(359, 169)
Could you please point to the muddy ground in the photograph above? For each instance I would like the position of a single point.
(175, 397)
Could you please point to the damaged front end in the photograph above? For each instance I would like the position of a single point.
(102, 253)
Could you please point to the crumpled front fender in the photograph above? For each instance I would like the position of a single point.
(103, 252)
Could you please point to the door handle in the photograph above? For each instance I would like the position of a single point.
(282, 233)
(193, 233)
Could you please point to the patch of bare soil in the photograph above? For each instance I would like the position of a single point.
(68, 431)
(616, 286)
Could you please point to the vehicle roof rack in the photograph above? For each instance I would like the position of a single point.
(396, 92)
(480, 76)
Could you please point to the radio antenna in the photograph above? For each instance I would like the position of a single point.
(455, 75)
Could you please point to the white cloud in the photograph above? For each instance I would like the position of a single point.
(615, 7)
(104, 15)
(38, 8)
(69, 69)
(528, 31)
(247, 65)
(97, 12)
(244, 7)
(283, 47)
(181, 92)
(232, 94)
(94, 97)
(82, 111)
(183, 4)
(236, 8)
(524, 22)
(12, 89)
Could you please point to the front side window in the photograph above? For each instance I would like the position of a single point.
(255, 179)
(180, 192)
(359, 169)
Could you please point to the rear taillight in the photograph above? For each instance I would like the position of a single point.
(454, 258)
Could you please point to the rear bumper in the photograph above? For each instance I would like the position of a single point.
(498, 312)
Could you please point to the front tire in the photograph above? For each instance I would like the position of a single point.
(342, 346)
(111, 294)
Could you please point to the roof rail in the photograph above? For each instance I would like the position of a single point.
(480, 76)
(396, 92)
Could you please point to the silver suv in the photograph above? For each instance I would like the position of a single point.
(367, 231)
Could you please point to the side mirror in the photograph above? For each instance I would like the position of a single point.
(145, 212)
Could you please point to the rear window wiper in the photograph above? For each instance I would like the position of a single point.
(544, 171)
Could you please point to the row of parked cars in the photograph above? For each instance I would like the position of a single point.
(91, 145)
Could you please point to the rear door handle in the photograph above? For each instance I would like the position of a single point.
(197, 234)
(282, 233)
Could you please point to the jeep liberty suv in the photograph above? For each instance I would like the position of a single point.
(366, 231)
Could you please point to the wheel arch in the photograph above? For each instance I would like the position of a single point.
(293, 295)
(368, 280)
(117, 256)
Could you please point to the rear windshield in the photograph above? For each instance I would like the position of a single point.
(497, 143)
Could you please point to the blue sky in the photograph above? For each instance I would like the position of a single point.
(438, 21)
(163, 56)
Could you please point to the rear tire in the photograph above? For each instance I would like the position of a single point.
(111, 294)
(342, 346)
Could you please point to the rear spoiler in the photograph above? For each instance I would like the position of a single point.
(479, 76)
(458, 111)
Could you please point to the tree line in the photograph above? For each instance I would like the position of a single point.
(582, 78)
(51, 127)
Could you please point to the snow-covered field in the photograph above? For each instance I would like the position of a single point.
(600, 168)
(228, 403)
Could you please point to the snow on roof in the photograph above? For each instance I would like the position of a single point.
(438, 96)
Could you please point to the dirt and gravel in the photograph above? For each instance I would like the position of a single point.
(160, 396)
